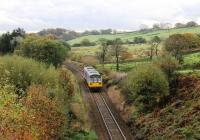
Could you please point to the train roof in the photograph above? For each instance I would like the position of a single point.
(91, 71)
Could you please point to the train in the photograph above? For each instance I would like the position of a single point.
(92, 77)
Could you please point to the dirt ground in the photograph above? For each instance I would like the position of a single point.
(119, 102)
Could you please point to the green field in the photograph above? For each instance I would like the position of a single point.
(136, 50)
(130, 36)
(192, 61)
(125, 66)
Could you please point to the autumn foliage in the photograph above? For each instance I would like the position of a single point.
(47, 98)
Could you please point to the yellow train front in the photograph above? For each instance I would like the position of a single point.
(93, 78)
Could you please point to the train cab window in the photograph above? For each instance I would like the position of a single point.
(95, 78)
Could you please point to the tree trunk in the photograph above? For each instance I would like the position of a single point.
(151, 53)
(156, 50)
(103, 61)
(117, 63)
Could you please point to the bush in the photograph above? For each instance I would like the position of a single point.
(76, 45)
(86, 42)
(49, 126)
(146, 87)
(167, 64)
(14, 116)
(139, 40)
(43, 49)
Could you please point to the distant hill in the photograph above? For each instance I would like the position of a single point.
(130, 35)
(64, 34)
(60, 33)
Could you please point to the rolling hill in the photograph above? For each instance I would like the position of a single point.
(130, 35)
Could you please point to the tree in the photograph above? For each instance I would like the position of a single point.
(60, 33)
(191, 24)
(117, 50)
(143, 27)
(178, 44)
(155, 41)
(5, 45)
(150, 53)
(9, 41)
(154, 44)
(103, 50)
(17, 36)
(139, 40)
(18, 32)
(179, 25)
(193, 41)
(156, 26)
(167, 64)
(106, 31)
(43, 49)
(67, 45)
(165, 25)
(175, 45)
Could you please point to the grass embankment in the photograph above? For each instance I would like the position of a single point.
(40, 102)
(179, 119)
(130, 36)
(176, 118)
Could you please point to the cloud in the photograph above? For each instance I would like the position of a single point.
(94, 14)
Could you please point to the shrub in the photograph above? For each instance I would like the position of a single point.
(167, 64)
(86, 42)
(49, 126)
(82, 136)
(146, 87)
(76, 45)
(139, 40)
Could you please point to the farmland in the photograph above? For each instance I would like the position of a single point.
(35, 72)
(100, 70)
(177, 116)
(129, 36)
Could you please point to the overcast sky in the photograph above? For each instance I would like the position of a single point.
(34, 15)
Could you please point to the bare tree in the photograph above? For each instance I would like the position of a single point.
(155, 41)
(156, 26)
(103, 51)
(179, 25)
(117, 50)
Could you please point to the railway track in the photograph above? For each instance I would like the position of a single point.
(112, 127)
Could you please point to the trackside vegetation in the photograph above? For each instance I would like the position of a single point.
(39, 102)
(39, 98)
(43, 49)
(146, 86)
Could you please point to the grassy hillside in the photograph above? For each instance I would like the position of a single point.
(179, 119)
(131, 35)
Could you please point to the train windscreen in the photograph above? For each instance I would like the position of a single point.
(95, 78)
